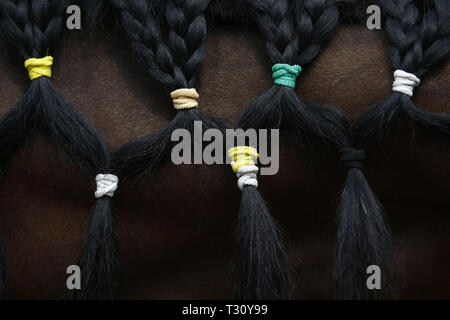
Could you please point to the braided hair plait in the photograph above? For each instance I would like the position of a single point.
(314, 23)
(418, 40)
(33, 27)
(293, 39)
(93, 12)
(175, 64)
(262, 269)
(362, 237)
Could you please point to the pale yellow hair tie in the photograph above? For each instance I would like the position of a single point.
(185, 98)
(41, 67)
(242, 156)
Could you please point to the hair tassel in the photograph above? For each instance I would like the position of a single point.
(261, 264)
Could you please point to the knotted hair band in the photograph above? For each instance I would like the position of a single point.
(106, 185)
(405, 82)
(184, 98)
(285, 75)
(39, 67)
(243, 164)
(352, 158)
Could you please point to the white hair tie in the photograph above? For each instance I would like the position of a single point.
(405, 82)
(247, 176)
(243, 164)
(106, 185)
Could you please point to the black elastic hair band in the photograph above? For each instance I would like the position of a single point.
(352, 158)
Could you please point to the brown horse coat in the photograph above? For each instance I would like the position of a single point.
(175, 232)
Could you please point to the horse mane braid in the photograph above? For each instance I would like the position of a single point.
(362, 236)
(174, 63)
(33, 27)
(277, 26)
(418, 40)
(279, 107)
(316, 24)
(295, 38)
(93, 12)
(187, 36)
(354, 11)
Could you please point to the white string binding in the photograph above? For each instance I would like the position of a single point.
(247, 176)
(106, 185)
(405, 82)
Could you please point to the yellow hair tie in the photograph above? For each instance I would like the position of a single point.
(41, 67)
(184, 98)
(242, 156)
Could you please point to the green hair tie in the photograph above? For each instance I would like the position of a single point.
(285, 75)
